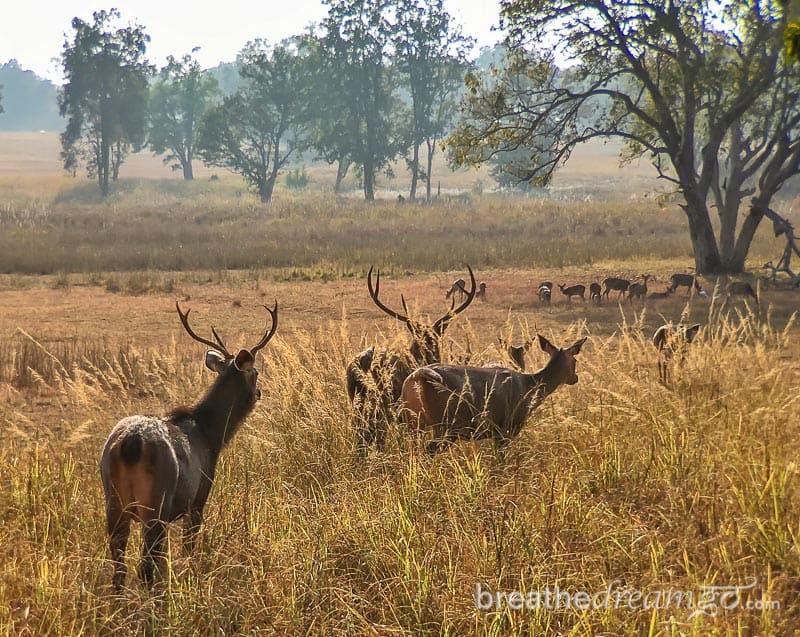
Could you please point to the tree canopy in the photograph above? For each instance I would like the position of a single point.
(700, 88)
(105, 96)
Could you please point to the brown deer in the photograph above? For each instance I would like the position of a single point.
(516, 353)
(669, 340)
(460, 286)
(684, 280)
(481, 293)
(639, 290)
(617, 284)
(459, 402)
(375, 376)
(595, 293)
(660, 295)
(545, 292)
(741, 288)
(155, 470)
(573, 290)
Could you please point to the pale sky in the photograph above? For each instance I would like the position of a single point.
(33, 32)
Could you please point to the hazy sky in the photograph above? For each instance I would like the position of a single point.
(33, 32)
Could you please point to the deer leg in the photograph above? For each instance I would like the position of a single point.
(153, 555)
(119, 527)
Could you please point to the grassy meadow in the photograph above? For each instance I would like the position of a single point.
(620, 487)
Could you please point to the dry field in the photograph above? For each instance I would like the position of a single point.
(653, 500)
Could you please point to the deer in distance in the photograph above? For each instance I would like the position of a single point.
(516, 353)
(741, 288)
(481, 293)
(669, 340)
(617, 284)
(545, 292)
(684, 280)
(595, 294)
(573, 290)
(475, 403)
(460, 286)
(375, 376)
(155, 470)
(639, 290)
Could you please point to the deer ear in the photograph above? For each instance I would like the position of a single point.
(244, 360)
(575, 348)
(546, 345)
(215, 361)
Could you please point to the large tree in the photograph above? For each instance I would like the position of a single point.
(355, 48)
(431, 52)
(178, 101)
(105, 96)
(699, 87)
(255, 131)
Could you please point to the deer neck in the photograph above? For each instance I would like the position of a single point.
(545, 381)
(221, 411)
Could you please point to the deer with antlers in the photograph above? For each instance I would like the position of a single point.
(462, 402)
(156, 470)
(375, 376)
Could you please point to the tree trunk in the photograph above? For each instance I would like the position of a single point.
(746, 234)
(704, 244)
(412, 193)
(341, 173)
(369, 181)
(103, 168)
(188, 172)
(431, 150)
(265, 189)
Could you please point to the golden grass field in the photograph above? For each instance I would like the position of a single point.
(618, 485)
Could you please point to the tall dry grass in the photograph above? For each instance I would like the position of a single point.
(617, 481)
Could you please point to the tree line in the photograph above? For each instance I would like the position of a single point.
(705, 91)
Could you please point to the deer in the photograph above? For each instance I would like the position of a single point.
(684, 280)
(573, 290)
(460, 286)
(639, 290)
(481, 293)
(475, 403)
(670, 339)
(660, 295)
(617, 284)
(741, 288)
(375, 376)
(155, 470)
(516, 352)
(595, 293)
(545, 292)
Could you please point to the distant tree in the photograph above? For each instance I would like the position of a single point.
(178, 100)
(354, 46)
(255, 131)
(431, 52)
(105, 97)
(30, 102)
(700, 88)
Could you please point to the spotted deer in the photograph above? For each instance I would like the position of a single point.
(617, 284)
(375, 376)
(639, 290)
(473, 403)
(573, 290)
(671, 339)
(595, 293)
(688, 281)
(155, 470)
(516, 353)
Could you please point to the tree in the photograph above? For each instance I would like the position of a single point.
(354, 48)
(255, 131)
(105, 96)
(698, 87)
(178, 100)
(431, 51)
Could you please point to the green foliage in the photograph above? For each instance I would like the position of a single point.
(105, 97)
(28, 102)
(297, 179)
(178, 100)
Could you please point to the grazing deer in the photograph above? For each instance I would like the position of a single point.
(680, 280)
(573, 290)
(639, 290)
(481, 293)
(595, 293)
(460, 286)
(375, 376)
(741, 288)
(516, 353)
(459, 402)
(545, 291)
(616, 284)
(155, 470)
(670, 339)
(660, 295)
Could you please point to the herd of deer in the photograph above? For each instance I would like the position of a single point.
(156, 470)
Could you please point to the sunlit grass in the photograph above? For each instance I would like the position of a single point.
(616, 478)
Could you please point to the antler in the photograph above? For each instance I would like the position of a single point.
(373, 292)
(442, 322)
(271, 331)
(218, 346)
